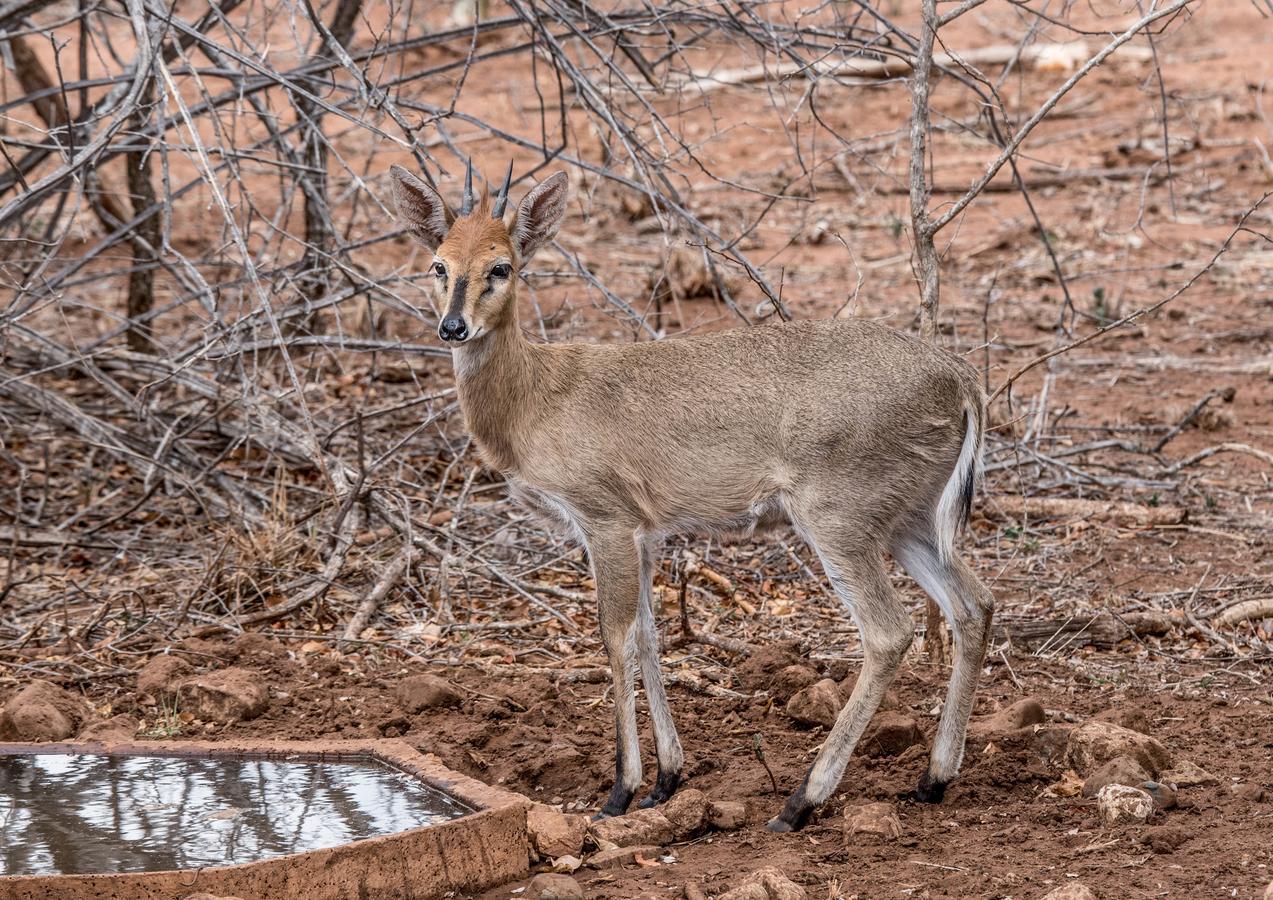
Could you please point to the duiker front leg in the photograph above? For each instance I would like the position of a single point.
(859, 579)
(616, 570)
(667, 743)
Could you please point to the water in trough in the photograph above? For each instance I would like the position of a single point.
(63, 813)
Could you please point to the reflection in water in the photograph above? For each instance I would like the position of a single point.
(63, 813)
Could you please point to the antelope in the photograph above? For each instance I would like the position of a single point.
(862, 438)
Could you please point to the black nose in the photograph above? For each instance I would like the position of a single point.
(453, 329)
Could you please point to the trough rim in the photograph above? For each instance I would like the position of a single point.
(486, 803)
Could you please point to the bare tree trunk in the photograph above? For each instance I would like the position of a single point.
(315, 273)
(145, 236)
(937, 637)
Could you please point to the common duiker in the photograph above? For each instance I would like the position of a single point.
(861, 438)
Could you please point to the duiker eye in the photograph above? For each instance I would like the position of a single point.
(439, 270)
(500, 271)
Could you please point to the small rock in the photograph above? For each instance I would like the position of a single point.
(1021, 714)
(1187, 774)
(687, 811)
(647, 827)
(1268, 892)
(554, 834)
(692, 891)
(726, 815)
(116, 728)
(42, 711)
(227, 695)
(768, 883)
(792, 680)
(254, 644)
(421, 692)
(554, 887)
(1250, 792)
(1119, 804)
(1164, 838)
(1119, 770)
(1127, 717)
(617, 857)
(1164, 795)
(207, 896)
(873, 823)
(564, 865)
(893, 733)
(818, 704)
(1094, 743)
(1071, 891)
(1050, 743)
(160, 678)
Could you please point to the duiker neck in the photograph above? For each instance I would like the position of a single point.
(494, 378)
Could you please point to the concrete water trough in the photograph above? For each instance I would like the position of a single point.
(261, 819)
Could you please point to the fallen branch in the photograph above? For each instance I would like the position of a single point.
(1259, 608)
(367, 608)
(1011, 507)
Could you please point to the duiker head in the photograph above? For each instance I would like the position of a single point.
(476, 257)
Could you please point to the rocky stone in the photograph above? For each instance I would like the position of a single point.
(1119, 804)
(420, 692)
(227, 695)
(872, 823)
(766, 660)
(640, 827)
(792, 680)
(891, 734)
(1095, 743)
(726, 815)
(1165, 838)
(818, 704)
(617, 857)
(1051, 743)
(555, 834)
(1186, 774)
(207, 896)
(1071, 891)
(692, 891)
(1250, 792)
(564, 865)
(1119, 770)
(687, 811)
(116, 728)
(1164, 795)
(160, 678)
(254, 644)
(768, 883)
(554, 887)
(42, 711)
(1127, 717)
(1021, 714)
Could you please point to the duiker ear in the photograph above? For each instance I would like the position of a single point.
(539, 216)
(421, 209)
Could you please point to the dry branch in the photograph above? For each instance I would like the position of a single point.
(1014, 508)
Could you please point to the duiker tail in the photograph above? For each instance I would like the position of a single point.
(955, 504)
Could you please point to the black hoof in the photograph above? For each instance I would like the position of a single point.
(616, 804)
(664, 788)
(795, 814)
(930, 790)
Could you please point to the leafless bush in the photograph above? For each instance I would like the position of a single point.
(210, 320)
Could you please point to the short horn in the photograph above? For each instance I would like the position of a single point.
(467, 207)
(501, 199)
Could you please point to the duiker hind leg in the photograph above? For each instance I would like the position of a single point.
(616, 569)
(856, 570)
(968, 605)
(667, 743)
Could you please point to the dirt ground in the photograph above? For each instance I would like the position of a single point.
(1086, 425)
